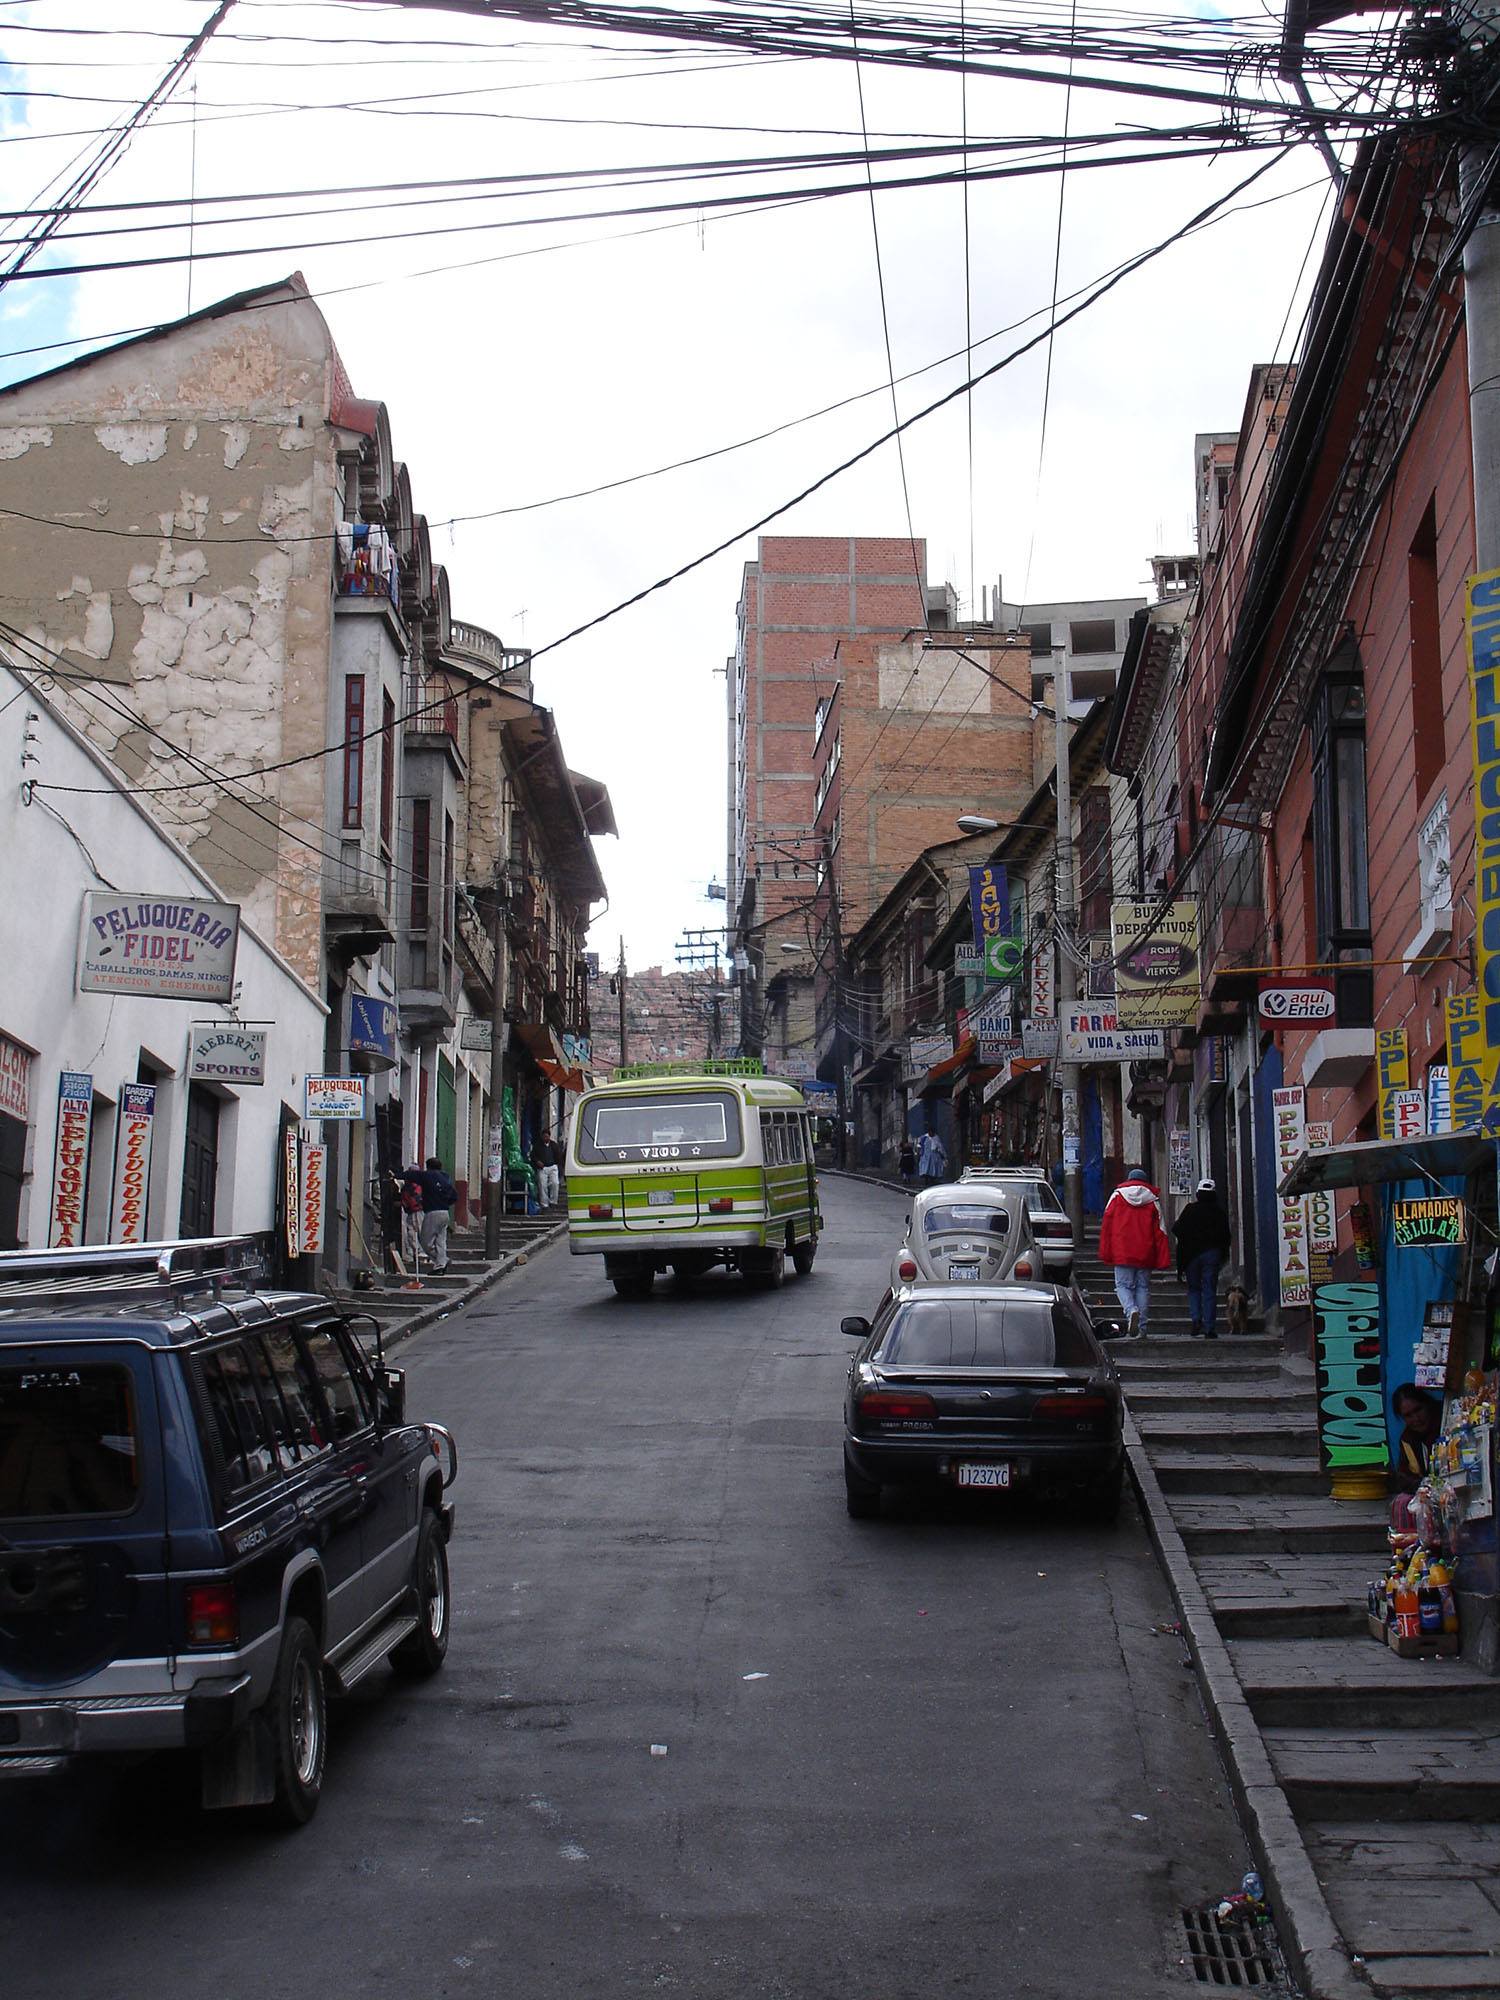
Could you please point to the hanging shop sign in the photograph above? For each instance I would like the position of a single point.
(1039, 1040)
(1392, 1073)
(1439, 1099)
(992, 1015)
(333, 1097)
(1289, 1116)
(1043, 981)
(1408, 1109)
(1482, 638)
(178, 949)
(477, 1031)
(1351, 1406)
(822, 1098)
(15, 1080)
(924, 1051)
(314, 1198)
(1428, 1220)
(968, 961)
(70, 1163)
(994, 1087)
(1002, 957)
(992, 1048)
(1469, 1078)
(1179, 1160)
(224, 1053)
(372, 1031)
(1322, 1217)
(1294, 1003)
(135, 1124)
(989, 902)
(1156, 958)
(291, 1191)
(1092, 1034)
(1099, 977)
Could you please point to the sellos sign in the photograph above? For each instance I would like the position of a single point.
(1294, 1003)
(137, 1120)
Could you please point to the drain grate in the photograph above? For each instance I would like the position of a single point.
(1228, 1954)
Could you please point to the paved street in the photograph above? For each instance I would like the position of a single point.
(944, 1752)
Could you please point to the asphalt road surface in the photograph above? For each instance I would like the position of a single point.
(948, 1752)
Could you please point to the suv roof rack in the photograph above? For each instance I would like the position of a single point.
(169, 1270)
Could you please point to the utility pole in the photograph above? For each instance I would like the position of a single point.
(1067, 966)
(620, 982)
(494, 1166)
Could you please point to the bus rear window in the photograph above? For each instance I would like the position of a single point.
(693, 1126)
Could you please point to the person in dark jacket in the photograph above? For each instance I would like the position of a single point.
(1202, 1232)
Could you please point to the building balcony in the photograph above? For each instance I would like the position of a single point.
(432, 718)
(357, 916)
(429, 993)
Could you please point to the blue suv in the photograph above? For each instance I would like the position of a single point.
(214, 1514)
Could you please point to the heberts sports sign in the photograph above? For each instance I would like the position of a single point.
(167, 949)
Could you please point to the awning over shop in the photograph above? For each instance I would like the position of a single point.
(945, 1071)
(546, 1052)
(872, 1072)
(1440, 1156)
(565, 1077)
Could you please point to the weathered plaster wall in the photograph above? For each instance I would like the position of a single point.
(177, 574)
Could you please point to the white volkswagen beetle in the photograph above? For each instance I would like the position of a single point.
(972, 1233)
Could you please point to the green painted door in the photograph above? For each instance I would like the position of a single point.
(447, 1117)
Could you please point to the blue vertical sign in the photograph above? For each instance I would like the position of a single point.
(989, 902)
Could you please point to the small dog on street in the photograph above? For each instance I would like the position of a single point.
(1237, 1308)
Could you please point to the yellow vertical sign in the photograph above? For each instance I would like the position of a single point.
(1467, 1071)
(1482, 641)
(1392, 1073)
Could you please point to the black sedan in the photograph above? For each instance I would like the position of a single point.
(998, 1388)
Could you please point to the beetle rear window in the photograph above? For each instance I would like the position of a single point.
(67, 1442)
(698, 1126)
(976, 1217)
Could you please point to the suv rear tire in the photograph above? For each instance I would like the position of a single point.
(422, 1652)
(297, 1716)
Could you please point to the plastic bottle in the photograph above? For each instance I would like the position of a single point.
(1408, 1616)
(1430, 1610)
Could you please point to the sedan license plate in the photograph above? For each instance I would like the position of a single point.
(659, 1197)
(984, 1475)
(964, 1273)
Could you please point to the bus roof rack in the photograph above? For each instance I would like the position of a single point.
(168, 1270)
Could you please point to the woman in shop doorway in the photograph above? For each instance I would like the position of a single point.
(1133, 1238)
(1202, 1232)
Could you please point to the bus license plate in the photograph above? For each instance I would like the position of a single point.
(659, 1197)
(984, 1475)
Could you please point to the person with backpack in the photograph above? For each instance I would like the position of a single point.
(438, 1197)
(1133, 1238)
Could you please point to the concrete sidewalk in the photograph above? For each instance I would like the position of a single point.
(1369, 1785)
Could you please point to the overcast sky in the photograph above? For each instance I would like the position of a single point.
(562, 357)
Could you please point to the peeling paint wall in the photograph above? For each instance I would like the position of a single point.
(178, 579)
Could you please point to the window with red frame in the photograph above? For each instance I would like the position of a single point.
(387, 770)
(421, 861)
(354, 749)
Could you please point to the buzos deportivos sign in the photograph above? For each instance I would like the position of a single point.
(166, 949)
(226, 1054)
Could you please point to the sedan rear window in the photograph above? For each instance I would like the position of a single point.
(67, 1442)
(945, 1221)
(986, 1333)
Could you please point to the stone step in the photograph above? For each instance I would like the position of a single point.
(1288, 1434)
(1214, 1523)
(1354, 1684)
(1232, 1397)
(1417, 1900)
(1426, 1772)
(1237, 1472)
(1204, 1361)
(1288, 1596)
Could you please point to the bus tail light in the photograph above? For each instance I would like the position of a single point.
(601, 1211)
(721, 1205)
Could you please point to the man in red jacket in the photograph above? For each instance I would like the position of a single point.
(1133, 1238)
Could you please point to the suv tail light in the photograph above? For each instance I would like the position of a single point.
(895, 1406)
(1080, 1407)
(213, 1614)
(906, 1268)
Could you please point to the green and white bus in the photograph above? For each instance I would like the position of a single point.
(681, 1166)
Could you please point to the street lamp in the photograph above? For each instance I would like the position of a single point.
(976, 823)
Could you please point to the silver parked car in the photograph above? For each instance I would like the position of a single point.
(967, 1233)
(1049, 1219)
